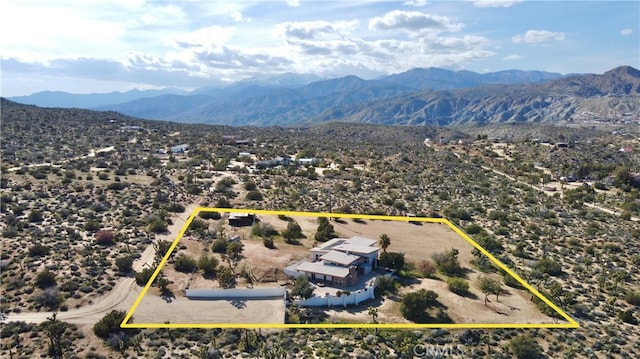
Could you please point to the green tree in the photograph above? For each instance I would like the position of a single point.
(448, 263)
(302, 288)
(392, 260)
(325, 230)
(234, 251)
(226, 277)
(207, 265)
(415, 304)
(384, 242)
(293, 232)
(488, 285)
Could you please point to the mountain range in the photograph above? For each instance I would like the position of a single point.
(417, 97)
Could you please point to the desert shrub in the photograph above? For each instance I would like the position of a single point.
(45, 279)
(92, 226)
(207, 265)
(448, 263)
(124, 264)
(209, 215)
(49, 297)
(185, 264)
(105, 237)
(427, 268)
(632, 298)
(268, 242)
(293, 231)
(302, 288)
(109, 324)
(158, 225)
(254, 195)
(384, 285)
(525, 347)
(458, 285)
(143, 276)
(414, 305)
(548, 266)
(628, 317)
(39, 250)
(35, 216)
(219, 246)
(394, 260)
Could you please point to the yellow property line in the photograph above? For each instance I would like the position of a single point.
(125, 323)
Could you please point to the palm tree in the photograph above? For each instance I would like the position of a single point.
(385, 241)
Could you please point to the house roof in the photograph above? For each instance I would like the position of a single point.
(361, 241)
(356, 249)
(326, 246)
(319, 268)
(340, 258)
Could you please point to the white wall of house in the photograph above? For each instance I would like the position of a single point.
(354, 298)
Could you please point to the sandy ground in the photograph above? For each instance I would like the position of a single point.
(181, 310)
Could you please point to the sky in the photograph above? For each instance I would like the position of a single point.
(92, 46)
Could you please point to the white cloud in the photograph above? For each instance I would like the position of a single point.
(416, 3)
(293, 3)
(495, 3)
(512, 57)
(538, 36)
(626, 32)
(316, 29)
(238, 17)
(413, 21)
(207, 37)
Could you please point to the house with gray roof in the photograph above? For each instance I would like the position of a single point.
(339, 261)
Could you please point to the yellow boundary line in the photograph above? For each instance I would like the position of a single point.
(125, 323)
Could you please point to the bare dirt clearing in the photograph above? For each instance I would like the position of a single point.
(181, 310)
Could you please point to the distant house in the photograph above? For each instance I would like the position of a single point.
(130, 128)
(282, 161)
(278, 161)
(179, 148)
(307, 161)
(626, 149)
(339, 261)
(241, 219)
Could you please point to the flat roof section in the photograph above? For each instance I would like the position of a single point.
(356, 249)
(319, 268)
(340, 257)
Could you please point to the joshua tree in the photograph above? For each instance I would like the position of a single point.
(384, 242)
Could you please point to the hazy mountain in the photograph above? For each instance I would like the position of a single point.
(415, 97)
(565, 99)
(65, 99)
(288, 80)
(441, 79)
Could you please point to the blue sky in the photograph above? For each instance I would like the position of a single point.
(116, 45)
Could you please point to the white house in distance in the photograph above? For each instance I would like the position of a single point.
(339, 261)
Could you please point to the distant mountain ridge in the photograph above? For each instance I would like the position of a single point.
(87, 101)
(416, 97)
